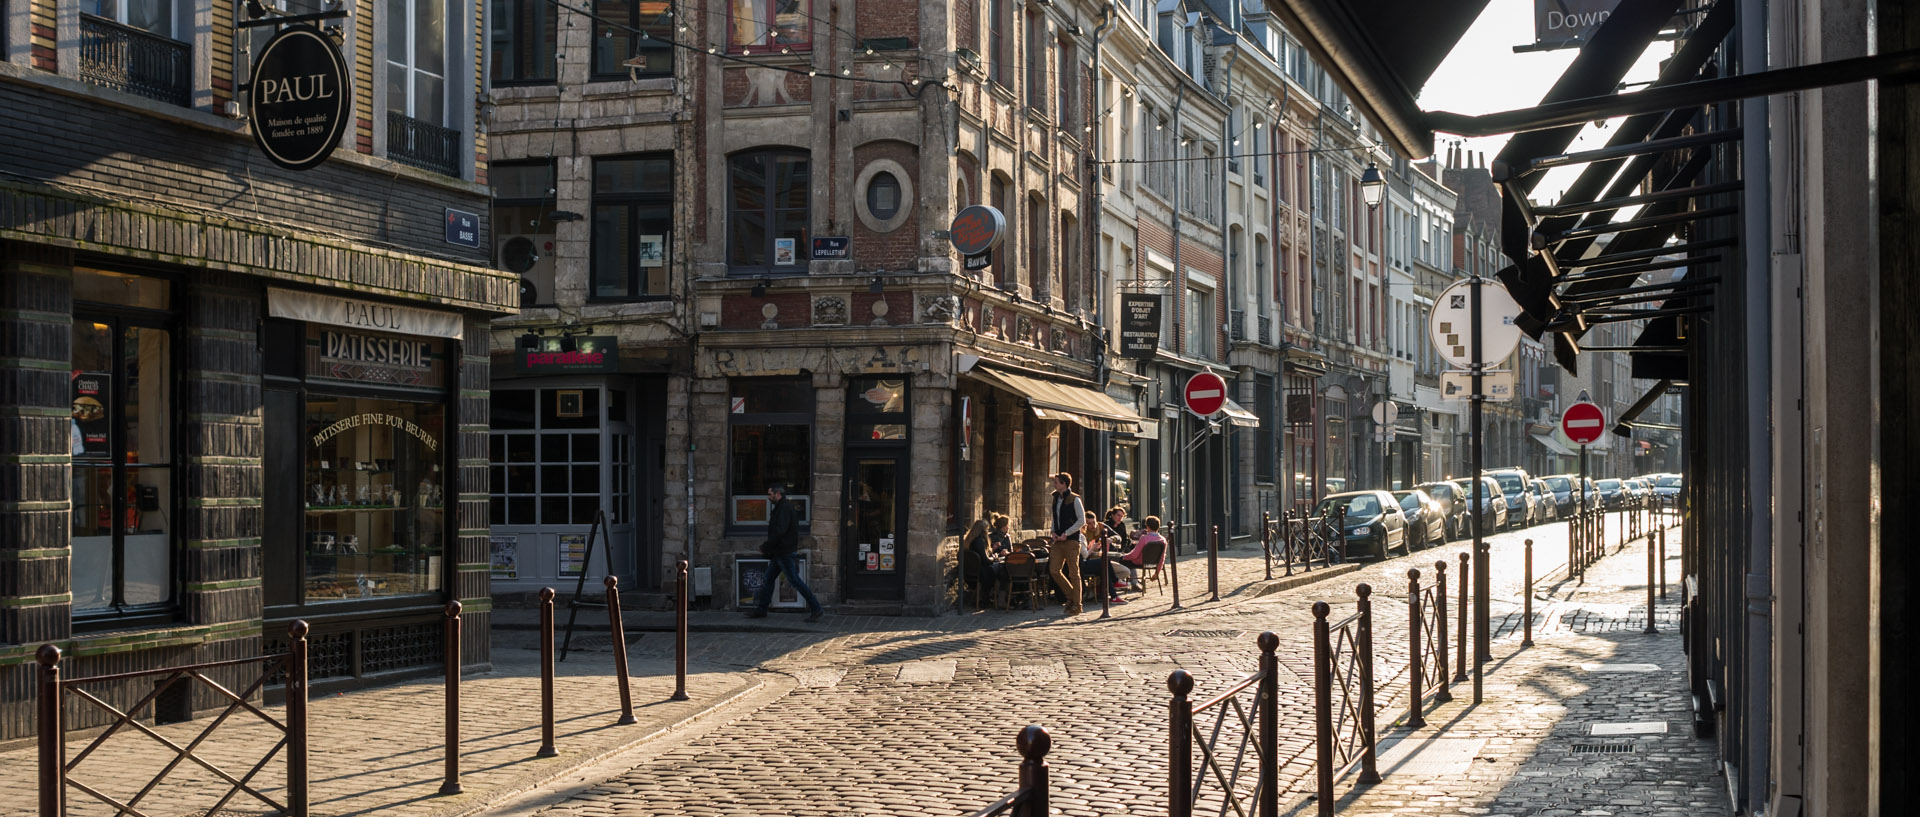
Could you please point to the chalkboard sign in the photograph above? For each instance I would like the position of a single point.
(748, 573)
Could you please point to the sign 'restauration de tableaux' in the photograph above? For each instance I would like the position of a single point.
(298, 101)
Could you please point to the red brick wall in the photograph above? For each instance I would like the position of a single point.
(896, 250)
(886, 18)
(966, 25)
(743, 311)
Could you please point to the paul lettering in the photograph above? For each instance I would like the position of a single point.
(295, 89)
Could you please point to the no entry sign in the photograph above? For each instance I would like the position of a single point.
(1206, 393)
(1583, 423)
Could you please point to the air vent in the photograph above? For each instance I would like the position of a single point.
(1602, 748)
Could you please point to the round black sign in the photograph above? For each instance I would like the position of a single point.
(978, 229)
(299, 101)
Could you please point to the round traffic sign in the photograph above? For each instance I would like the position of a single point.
(1451, 323)
(1583, 423)
(1206, 393)
(1386, 413)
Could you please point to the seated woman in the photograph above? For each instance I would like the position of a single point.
(1094, 554)
(1117, 524)
(999, 543)
(978, 542)
(1149, 534)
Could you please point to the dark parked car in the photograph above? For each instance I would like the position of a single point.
(1566, 494)
(1545, 509)
(1490, 507)
(1426, 520)
(1515, 488)
(1453, 506)
(1374, 524)
(1612, 493)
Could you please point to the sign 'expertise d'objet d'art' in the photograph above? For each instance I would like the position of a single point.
(298, 101)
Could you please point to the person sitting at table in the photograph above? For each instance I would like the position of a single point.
(999, 543)
(978, 541)
(1099, 550)
(1117, 523)
(1149, 534)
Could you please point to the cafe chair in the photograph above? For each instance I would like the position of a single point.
(974, 571)
(1152, 560)
(1024, 578)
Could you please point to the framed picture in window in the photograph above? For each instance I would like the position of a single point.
(568, 403)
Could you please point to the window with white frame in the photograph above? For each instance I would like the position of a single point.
(417, 59)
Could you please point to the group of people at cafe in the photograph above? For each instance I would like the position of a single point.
(1079, 543)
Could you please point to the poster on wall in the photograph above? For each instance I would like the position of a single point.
(749, 573)
(783, 252)
(506, 557)
(91, 419)
(573, 553)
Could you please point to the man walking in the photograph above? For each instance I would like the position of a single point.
(783, 541)
(1069, 516)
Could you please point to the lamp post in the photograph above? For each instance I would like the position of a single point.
(1373, 186)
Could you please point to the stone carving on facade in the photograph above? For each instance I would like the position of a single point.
(940, 308)
(1061, 340)
(1023, 331)
(879, 312)
(988, 326)
(769, 311)
(829, 310)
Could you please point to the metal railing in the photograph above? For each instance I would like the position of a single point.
(1304, 539)
(139, 62)
(1266, 328)
(57, 772)
(1241, 729)
(1344, 734)
(1426, 643)
(1031, 798)
(423, 144)
(1237, 320)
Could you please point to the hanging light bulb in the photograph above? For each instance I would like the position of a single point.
(915, 82)
(1236, 141)
(683, 28)
(785, 50)
(1256, 126)
(846, 71)
(812, 73)
(746, 52)
(869, 51)
(712, 50)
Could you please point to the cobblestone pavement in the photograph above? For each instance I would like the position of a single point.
(379, 751)
(920, 718)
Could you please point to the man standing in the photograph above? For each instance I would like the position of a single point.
(783, 541)
(1069, 516)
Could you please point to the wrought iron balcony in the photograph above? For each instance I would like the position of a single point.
(128, 59)
(1266, 328)
(423, 144)
(1238, 324)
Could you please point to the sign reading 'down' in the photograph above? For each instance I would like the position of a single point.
(299, 102)
(1557, 21)
(1139, 325)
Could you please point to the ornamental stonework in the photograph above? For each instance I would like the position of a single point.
(829, 310)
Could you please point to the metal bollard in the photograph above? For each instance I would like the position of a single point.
(1269, 715)
(546, 674)
(1573, 544)
(1663, 560)
(451, 783)
(52, 734)
(1526, 602)
(1369, 763)
(299, 777)
(1440, 630)
(619, 650)
(1286, 541)
(1266, 541)
(1180, 745)
(1460, 656)
(1213, 565)
(1034, 743)
(1322, 711)
(1415, 670)
(681, 587)
(1650, 576)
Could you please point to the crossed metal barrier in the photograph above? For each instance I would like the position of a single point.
(1031, 798)
(1239, 726)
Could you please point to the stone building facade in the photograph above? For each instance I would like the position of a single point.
(236, 395)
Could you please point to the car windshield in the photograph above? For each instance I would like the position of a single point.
(1559, 485)
(1608, 484)
(1669, 482)
(1510, 483)
(1438, 491)
(1408, 501)
(1361, 506)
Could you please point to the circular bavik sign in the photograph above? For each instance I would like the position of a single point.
(978, 229)
(299, 101)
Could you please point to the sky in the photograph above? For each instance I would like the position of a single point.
(1483, 75)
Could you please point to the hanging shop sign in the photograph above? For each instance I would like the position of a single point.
(299, 102)
(377, 358)
(831, 248)
(975, 232)
(590, 354)
(361, 313)
(1139, 325)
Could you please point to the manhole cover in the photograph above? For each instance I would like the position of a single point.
(1632, 728)
(1602, 748)
(1204, 633)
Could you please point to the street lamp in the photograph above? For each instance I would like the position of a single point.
(1372, 186)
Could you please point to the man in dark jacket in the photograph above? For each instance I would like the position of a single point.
(1069, 517)
(783, 541)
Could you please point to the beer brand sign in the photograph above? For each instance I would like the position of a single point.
(298, 101)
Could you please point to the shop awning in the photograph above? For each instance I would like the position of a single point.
(1548, 442)
(1051, 400)
(1238, 415)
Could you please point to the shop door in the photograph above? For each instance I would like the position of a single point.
(875, 544)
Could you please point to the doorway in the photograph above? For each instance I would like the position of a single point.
(875, 541)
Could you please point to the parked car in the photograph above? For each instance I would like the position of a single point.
(1612, 493)
(1636, 489)
(1426, 520)
(1488, 510)
(1545, 508)
(1592, 494)
(1453, 506)
(1566, 494)
(1515, 489)
(1374, 524)
(1667, 488)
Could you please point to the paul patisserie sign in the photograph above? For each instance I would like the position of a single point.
(298, 100)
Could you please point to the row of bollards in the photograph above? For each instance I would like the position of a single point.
(451, 780)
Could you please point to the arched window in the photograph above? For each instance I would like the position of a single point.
(769, 193)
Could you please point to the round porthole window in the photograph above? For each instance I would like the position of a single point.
(883, 196)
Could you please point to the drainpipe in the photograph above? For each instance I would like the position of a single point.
(1109, 16)
(1227, 464)
(1279, 298)
(1179, 281)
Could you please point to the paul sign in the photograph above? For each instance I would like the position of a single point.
(299, 101)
